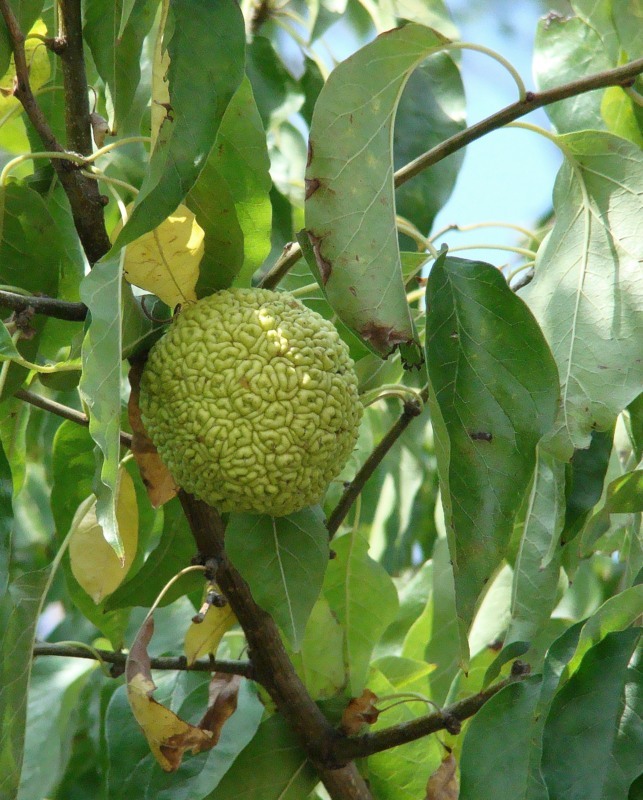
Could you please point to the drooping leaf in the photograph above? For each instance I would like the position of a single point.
(165, 261)
(283, 559)
(206, 67)
(359, 713)
(350, 207)
(237, 171)
(593, 735)
(443, 783)
(20, 608)
(100, 386)
(494, 392)
(534, 585)
(587, 292)
(14, 417)
(115, 33)
(352, 581)
(273, 766)
(488, 771)
(167, 734)
(204, 637)
(94, 563)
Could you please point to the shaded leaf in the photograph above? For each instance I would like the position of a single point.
(588, 288)
(158, 481)
(94, 563)
(206, 67)
(167, 734)
(364, 600)
(283, 560)
(443, 783)
(597, 712)
(165, 261)
(6, 520)
(360, 712)
(350, 207)
(494, 391)
(100, 386)
(223, 693)
(203, 637)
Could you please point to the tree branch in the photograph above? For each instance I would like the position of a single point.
(620, 76)
(48, 306)
(85, 201)
(65, 412)
(117, 658)
(448, 719)
(272, 666)
(352, 491)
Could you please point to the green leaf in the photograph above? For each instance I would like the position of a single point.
(100, 385)
(206, 67)
(400, 774)
(587, 292)
(625, 494)
(494, 391)
(272, 767)
(116, 48)
(535, 587)
(487, 771)
(431, 109)
(320, 661)
(231, 198)
(51, 723)
(283, 559)
(6, 520)
(275, 90)
(593, 736)
(173, 553)
(14, 417)
(413, 598)
(363, 598)
(635, 411)
(350, 207)
(20, 608)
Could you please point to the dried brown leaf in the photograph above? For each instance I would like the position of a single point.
(444, 784)
(160, 485)
(222, 703)
(167, 734)
(359, 712)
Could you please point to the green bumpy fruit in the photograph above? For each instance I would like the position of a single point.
(251, 400)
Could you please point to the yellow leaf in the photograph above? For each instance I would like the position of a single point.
(204, 637)
(94, 564)
(39, 70)
(165, 261)
(168, 735)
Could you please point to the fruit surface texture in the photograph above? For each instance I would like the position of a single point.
(252, 402)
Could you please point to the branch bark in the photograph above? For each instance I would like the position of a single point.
(48, 306)
(272, 667)
(118, 659)
(620, 76)
(86, 203)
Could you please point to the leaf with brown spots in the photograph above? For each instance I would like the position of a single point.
(159, 483)
(444, 784)
(359, 712)
(168, 735)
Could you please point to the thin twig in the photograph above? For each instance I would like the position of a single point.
(449, 718)
(620, 76)
(243, 668)
(352, 491)
(48, 306)
(65, 412)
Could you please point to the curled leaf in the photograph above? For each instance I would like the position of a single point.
(223, 693)
(167, 734)
(94, 563)
(156, 477)
(204, 637)
(359, 712)
(443, 783)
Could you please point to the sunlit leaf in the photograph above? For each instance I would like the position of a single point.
(39, 70)
(494, 392)
(283, 560)
(203, 637)
(353, 582)
(94, 563)
(350, 205)
(587, 292)
(206, 67)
